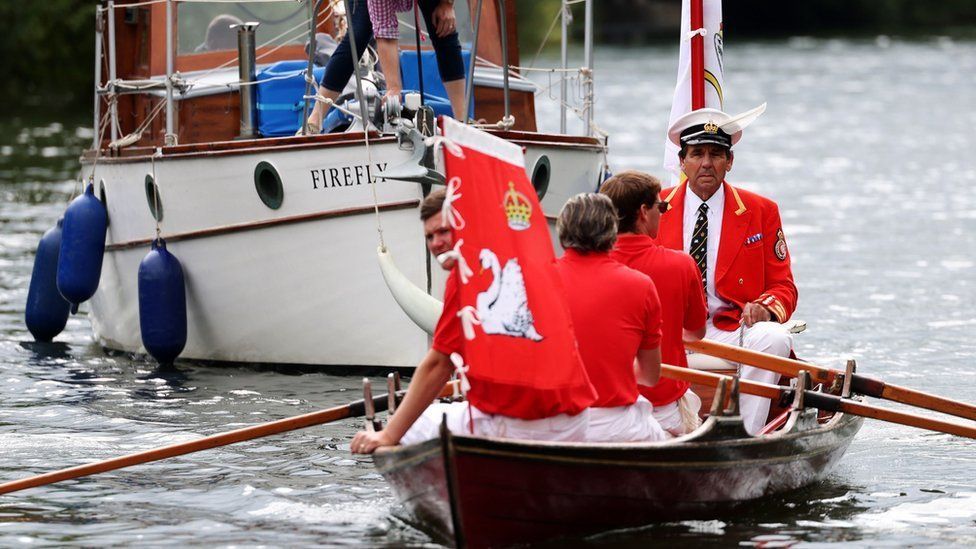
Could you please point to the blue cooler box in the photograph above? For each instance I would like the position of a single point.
(280, 89)
(434, 93)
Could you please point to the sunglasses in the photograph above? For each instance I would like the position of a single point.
(662, 205)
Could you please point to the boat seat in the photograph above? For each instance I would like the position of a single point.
(698, 361)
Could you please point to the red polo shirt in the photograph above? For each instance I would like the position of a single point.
(615, 312)
(448, 335)
(679, 289)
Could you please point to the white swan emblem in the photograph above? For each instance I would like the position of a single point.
(504, 306)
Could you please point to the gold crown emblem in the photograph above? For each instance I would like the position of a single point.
(518, 209)
(711, 127)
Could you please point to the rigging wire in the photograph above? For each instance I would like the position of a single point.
(542, 44)
(325, 11)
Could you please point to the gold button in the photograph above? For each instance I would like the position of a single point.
(740, 281)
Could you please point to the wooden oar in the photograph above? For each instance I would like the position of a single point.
(353, 409)
(822, 401)
(861, 385)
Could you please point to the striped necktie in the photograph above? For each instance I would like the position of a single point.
(699, 243)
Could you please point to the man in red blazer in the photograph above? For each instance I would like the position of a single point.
(736, 239)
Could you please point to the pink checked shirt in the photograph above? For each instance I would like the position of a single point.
(383, 16)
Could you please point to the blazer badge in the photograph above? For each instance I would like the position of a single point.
(780, 247)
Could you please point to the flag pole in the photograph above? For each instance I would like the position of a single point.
(697, 56)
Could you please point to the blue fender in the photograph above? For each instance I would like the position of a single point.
(162, 303)
(82, 247)
(46, 312)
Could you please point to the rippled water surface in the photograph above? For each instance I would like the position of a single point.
(867, 146)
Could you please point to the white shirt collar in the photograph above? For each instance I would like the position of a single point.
(716, 202)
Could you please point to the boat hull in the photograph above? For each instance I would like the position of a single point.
(497, 492)
(299, 284)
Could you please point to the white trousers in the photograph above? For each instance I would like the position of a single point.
(633, 423)
(669, 415)
(461, 417)
(766, 337)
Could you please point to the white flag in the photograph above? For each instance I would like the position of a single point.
(714, 88)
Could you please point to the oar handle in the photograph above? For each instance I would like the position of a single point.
(862, 385)
(773, 363)
(353, 409)
(822, 401)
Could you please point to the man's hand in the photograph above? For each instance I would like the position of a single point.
(753, 313)
(445, 21)
(366, 442)
(392, 92)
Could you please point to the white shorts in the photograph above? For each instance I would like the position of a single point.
(464, 419)
(633, 423)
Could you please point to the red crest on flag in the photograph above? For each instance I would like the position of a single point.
(520, 349)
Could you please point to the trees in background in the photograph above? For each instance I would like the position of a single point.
(47, 48)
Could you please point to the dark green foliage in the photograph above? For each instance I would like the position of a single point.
(759, 18)
(643, 21)
(47, 48)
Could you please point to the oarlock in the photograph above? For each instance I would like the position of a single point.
(392, 388)
(372, 424)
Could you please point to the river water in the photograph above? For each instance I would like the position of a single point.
(867, 146)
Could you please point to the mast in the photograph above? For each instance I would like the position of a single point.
(588, 62)
(170, 137)
(113, 103)
(564, 56)
(697, 56)
(96, 144)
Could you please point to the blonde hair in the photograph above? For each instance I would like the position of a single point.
(587, 223)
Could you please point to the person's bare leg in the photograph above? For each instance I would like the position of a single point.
(388, 50)
(319, 110)
(455, 94)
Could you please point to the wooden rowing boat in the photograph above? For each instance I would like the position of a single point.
(485, 492)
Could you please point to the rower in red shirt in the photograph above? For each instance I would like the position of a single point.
(565, 419)
(636, 197)
(617, 319)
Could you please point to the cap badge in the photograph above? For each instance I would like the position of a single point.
(711, 127)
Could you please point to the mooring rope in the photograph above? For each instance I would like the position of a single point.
(365, 119)
(152, 160)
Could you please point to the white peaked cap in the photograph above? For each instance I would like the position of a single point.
(729, 127)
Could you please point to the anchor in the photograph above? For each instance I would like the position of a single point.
(419, 169)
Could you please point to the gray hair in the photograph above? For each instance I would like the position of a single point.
(587, 223)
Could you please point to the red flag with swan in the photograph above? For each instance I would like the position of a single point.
(520, 350)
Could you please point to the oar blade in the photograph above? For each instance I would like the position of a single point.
(928, 401)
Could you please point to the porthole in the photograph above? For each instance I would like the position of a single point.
(540, 176)
(267, 182)
(153, 199)
(104, 198)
